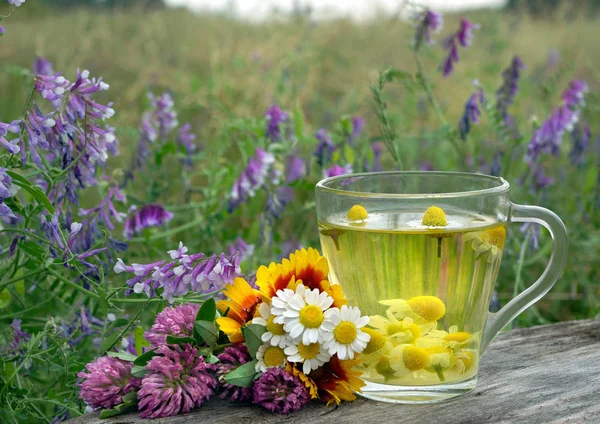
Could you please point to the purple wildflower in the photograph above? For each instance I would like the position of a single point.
(541, 180)
(52, 230)
(358, 124)
(184, 273)
(186, 139)
(152, 215)
(471, 114)
(336, 170)
(295, 169)
(378, 148)
(510, 86)
(289, 247)
(275, 117)
(42, 66)
(428, 21)
(106, 382)
(426, 166)
(252, 178)
(12, 146)
(325, 148)
(464, 37)
(279, 391)
(83, 236)
(19, 336)
(2, 30)
(495, 167)
(231, 358)
(534, 232)
(574, 95)
(177, 321)
(243, 249)
(177, 382)
(581, 140)
(6, 214)
(548, 138)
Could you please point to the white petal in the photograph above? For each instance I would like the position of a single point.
(361, 322)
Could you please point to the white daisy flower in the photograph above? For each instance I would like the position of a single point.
(275, 334)
(302, 313)
(312, 355)
(269, 356)
(344, 336)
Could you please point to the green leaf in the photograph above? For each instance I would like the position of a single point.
(180, 340)
(242, 376)
(252, 335)
(208, 331)
(119, 322)
(349, 154)
(143, 359)
(110, 341)
(123, 408)
(32, 249)
(398, 75)
(139, 340)
(139, 371)
(122, 355)
(208, 311)
(35, 191)
(212, 359)
(5, 298)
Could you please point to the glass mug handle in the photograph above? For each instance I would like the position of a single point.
(560, 240)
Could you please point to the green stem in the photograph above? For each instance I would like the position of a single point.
(73, 285)
(19, 278)
(168, 233)
(126, 329)
(428, 91)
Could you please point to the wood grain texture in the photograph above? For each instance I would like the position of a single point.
(546, 374)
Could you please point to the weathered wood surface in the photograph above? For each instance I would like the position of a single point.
(547, 374)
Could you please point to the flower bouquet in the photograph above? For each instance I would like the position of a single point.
(279, 343)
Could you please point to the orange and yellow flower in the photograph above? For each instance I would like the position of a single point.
(337, 381)
(308, 382)
(305, 267)
(241, 305)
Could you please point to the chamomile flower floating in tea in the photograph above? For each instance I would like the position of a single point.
(488, 243)
(435, 217)
(357, 213)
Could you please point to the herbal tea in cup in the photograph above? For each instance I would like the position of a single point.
(420, 253)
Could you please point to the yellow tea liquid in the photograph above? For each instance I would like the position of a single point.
(426, 290)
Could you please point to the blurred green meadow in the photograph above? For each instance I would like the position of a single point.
(223, 75)
(222, 71)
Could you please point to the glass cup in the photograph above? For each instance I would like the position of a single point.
(419, 253)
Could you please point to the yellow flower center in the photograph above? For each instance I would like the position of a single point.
(495, 236)
(415, 358)
(274, 356)
(311, 316)
(377, 340)
(434, 217)
(429, 307)
(309, 351)
(357, 213)
(460, 336)
(345, 332)
(274, 328)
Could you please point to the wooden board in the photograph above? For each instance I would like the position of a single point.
(546, 374)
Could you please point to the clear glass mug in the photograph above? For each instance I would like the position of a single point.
(419, 252)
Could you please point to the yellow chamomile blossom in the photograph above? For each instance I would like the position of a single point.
(303, 313)
(311, 355)
(430, 308)
(357, 213)
(434, 217)
(344, 335)
(488, 243)
(269, 356)
(275, 333)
